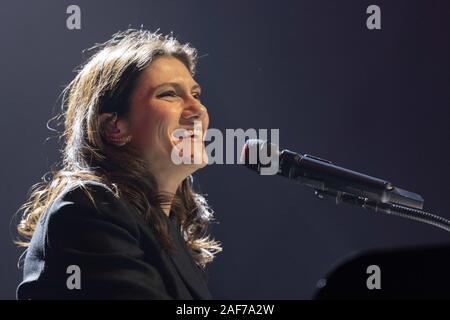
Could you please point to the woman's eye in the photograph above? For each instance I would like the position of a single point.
(196, 95)
(168, 94)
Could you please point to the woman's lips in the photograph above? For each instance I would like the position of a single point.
(181, 134)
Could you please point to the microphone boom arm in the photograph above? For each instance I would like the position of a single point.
(351, 187)
(387, 208)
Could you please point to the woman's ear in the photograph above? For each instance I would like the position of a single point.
(115, 129)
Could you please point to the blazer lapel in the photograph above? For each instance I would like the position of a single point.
(187, 268)
(189, 272)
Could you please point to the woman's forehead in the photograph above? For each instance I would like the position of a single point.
(167, 70)
(161, 73)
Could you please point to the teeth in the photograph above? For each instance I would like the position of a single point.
(180, 134)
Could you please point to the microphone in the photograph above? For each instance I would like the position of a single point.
(326, 178)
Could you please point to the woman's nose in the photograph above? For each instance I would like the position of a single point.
(194, 110)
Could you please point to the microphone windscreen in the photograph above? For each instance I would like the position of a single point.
(254, 150)
(251, 146)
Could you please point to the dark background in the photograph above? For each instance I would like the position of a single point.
(373, 101)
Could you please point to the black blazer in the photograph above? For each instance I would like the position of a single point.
(117, 254)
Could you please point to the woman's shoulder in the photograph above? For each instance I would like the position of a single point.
(89, 200)
(86, 193)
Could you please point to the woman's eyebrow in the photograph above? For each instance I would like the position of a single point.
(177, 86)
(196, 86)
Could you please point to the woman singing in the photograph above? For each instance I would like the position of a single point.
(120, 219)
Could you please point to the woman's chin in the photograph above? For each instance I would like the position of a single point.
(198, 158)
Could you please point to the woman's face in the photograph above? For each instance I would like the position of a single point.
(165, 103)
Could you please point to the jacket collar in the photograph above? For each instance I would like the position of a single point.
(189, 271)
(193, 277)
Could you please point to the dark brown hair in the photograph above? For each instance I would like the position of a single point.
(105, 84)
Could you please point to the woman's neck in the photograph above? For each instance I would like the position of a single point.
(168, 187)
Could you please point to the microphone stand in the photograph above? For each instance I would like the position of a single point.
(386, 208)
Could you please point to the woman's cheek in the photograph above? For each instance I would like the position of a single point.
(142, 132)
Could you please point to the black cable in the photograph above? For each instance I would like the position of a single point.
(414, 214)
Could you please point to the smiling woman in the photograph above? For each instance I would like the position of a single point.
(119, 211)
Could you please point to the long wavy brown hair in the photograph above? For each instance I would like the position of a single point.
(105, 83)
